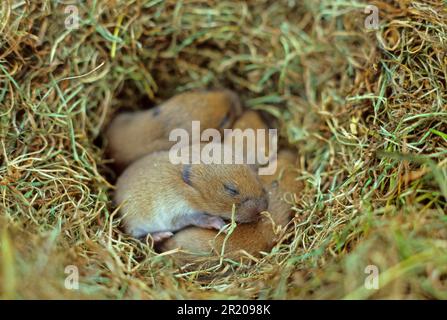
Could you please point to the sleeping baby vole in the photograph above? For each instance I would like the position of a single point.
(251, 119)
(134, 134)
(159, 197)
(252, 238)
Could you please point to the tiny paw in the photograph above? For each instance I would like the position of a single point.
(217, 223)
(161, 236)
(209, 222)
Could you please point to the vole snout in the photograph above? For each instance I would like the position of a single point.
(249, 210)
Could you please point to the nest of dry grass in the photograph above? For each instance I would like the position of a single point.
(366, 109)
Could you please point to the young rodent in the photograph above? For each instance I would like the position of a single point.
(159, 197)
(132, 135)
(251, 119)
(252, 238)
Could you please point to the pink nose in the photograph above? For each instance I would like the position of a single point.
(253, 208)
(261, 205)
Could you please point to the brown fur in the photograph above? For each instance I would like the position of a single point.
(250, 120)
(252, 238)
(210, 195)
(152, 188)
(132, 135)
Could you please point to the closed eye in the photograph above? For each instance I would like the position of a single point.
(231, 190)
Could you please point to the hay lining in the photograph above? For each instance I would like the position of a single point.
(366, 109)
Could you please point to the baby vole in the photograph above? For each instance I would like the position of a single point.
(251, 119)
(159, 197)
(134, 134)
(252, 238)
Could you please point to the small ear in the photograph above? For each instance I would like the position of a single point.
(225, 121)
(186, 174)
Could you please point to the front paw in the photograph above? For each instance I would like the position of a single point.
(210, 222)
(161, 236)
(217, 223)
